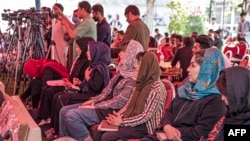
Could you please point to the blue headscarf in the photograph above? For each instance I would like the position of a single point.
(211, 66)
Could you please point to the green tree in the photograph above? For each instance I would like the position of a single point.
(181, 22)
(194, 23)
(178, 17)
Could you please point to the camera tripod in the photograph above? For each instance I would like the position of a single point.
(29, 46)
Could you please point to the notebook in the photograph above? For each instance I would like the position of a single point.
(105, 126)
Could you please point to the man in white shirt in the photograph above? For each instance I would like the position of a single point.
(61, 46)
(213, 25)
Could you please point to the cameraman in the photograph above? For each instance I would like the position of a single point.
(61, 46)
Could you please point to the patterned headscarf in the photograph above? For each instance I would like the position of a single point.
(211, 66)
(149, 72)
(127, 68)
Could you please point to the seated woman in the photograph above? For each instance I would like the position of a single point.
(95, 79)
(142, 114)
(236, 95)
(199, 106)
(41, 70)
(166, 49)
(113, 97)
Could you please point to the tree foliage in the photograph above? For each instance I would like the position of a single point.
(194, 23)
(178, 17)
(181, 22)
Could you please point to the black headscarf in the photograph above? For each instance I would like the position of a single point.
(82, 60)
(238, 95)
(83, 45)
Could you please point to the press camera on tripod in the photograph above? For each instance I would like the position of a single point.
(22, 15)
(28, 43)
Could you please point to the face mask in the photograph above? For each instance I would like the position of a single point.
(75, 20)
(95, 19)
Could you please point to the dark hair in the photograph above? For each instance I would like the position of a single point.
(156, 30)
(204, 41)
(194, 34)
(243, 14)
(83, 42)
(221, 83)
(167, 40)
(210, 30)
(188, 42)
(133, 9)
(173, 35)
(179, 37)
(152, 42)
(166, 34)
(213, 18)
(120, 32)
(59, 6)
(98, 8)
(85, 5)
(199, 56)
(140, 55)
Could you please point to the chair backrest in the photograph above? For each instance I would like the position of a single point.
(229, 54)
(170, 95)
(242, 47)
(245, 62)
(233, 48)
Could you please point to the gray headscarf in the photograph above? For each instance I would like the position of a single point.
(127, 68)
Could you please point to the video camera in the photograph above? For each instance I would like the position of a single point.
(19, 15)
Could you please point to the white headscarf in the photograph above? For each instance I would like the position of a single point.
(127, 68)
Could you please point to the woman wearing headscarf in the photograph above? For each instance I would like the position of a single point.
(41, 70)
(142, 114)
(96, 78)
(77, 70)
(113, 97)
(198, 107)
(235, 90)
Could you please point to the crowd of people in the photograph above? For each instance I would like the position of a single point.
(76, 90)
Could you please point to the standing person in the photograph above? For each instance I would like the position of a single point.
(198, 106)
(184, 56)
(142, 114)
(244, 28)
(61, 46)
(102, 26)
(136, 29)
(70, 41)
(86, 27)
(178, 43)
(218, 40)
(214, 26)
(116, 22)
(158, 35)
(236, 95)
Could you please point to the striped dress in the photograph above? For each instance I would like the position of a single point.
(153, 109)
